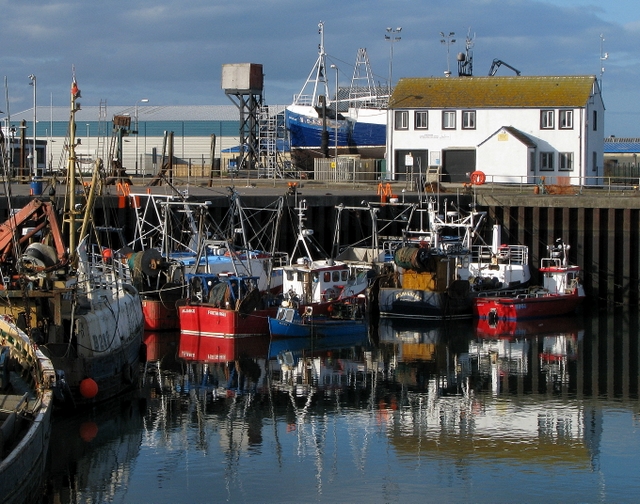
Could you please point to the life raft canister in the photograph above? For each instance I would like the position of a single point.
(478, 178)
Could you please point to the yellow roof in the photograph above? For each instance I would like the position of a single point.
(492, 92)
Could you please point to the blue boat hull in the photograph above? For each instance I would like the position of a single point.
(306, 131)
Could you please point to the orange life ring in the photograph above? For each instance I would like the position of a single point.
(478, 178)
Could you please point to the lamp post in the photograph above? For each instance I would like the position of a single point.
(603, 56)
(448, 40)
(392, 37)
(143, 100)
(88, 141)
(34, 155)
(335, 135)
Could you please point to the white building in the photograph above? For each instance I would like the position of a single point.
(513, 129)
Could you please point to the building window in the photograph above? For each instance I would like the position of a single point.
(546, 119)
(595, 120)
(594, 161)
(546, 161)
(401, 120)
(421, 120)
(468, 119)
(449, 119)
(566, 119)
(566, 161)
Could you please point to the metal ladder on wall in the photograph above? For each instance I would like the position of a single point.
(102, 129)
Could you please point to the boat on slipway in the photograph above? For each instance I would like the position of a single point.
(560, 294)
(315, 124)
(27, 378)
(225, 315)
(70, 293)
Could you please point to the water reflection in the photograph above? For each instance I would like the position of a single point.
(345, 421)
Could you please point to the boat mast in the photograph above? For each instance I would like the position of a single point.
(316, 77)
(71, 167)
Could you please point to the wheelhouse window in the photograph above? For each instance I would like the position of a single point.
(546, 161)
(468, 119)
(401, 121)
(566, 119)
(546, 119)
(421, 119)
(449, 119)
(566, 161)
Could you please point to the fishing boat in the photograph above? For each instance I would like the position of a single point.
(72, 295)
(441, 267)
(560, 294)
(315, 279)
(27, 378)
(226, 312)
(344, 320)
(171, 231)
(314, 123)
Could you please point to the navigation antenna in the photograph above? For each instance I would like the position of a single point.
(465, 59)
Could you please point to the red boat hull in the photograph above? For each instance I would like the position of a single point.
(158, 316)
(210, 334)
(526, 307)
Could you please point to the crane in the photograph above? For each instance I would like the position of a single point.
(497, 64)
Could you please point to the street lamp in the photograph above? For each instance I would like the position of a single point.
(392, 37)
(448, 40)
(88, 141)
(34, 155)
(335, 136)
(143, 100)
(603, 56)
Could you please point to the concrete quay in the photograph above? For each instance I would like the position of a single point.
(601, 224)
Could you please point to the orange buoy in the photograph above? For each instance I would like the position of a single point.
(88, 431)
(478, 178)
(107, 254)
(88, 388)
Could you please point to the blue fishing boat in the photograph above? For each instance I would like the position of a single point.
(345, 320)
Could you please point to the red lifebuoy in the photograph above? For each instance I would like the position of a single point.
(477, 178)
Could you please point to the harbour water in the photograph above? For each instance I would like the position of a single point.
(538, 412)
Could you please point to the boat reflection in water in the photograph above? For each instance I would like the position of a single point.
(492, 410)
(92, 454)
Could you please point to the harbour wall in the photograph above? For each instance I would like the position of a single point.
(602, 227)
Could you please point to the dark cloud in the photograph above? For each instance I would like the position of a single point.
(172, 51)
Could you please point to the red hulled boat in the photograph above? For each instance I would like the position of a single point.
(560, 294)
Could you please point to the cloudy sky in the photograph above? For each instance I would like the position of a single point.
(172, 51)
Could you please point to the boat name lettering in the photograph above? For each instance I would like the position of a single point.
(408, 295)
(188, 354)
(100, 342)
(217, 357)
(217, 313)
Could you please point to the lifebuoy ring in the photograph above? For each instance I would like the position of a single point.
(478, 178)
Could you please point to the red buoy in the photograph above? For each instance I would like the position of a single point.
(107, 254)
(88, 388)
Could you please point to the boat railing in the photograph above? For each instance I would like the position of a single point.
(506, 254)
(106, 269)
(303, 99)
(551, 262)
